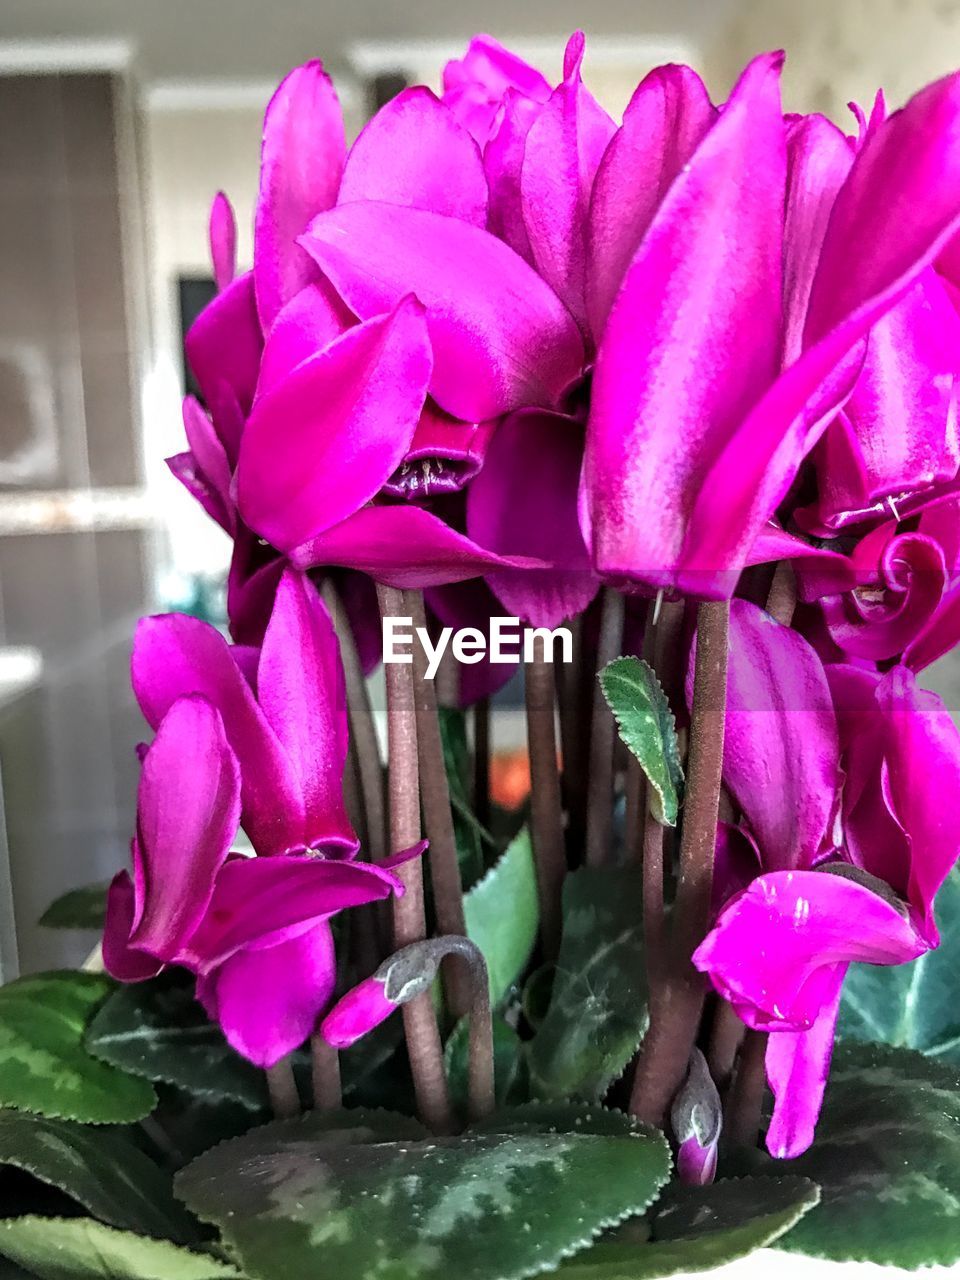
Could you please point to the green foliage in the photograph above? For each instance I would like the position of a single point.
(157, 1030)
(79, 909)
(887, 1159)
(698, 1228)
(304, 1196)
(473, 841)
(99, 1168)
(503, 915)
(44, 1065)
(597, 1013)
(508, 1063)
(916, 1005)
(81, 1249)
(648, 730)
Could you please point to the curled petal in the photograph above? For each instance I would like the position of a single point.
(301, 163)
(311, 320)
(223, 347)
(188, 812)
(415, 152)
(223, 241)
(501, 337)
(503, 164)
(121, 961)
(357, 1013)
(474, 86)
(404, 547)
(444, 455)
(326, 438)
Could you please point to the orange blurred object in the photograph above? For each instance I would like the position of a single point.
(510, 778)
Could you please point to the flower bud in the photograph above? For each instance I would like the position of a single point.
(697, 1119)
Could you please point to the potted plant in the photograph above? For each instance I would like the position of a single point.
(665, 414)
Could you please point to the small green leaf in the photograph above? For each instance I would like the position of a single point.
(297, 1199)
(79, 909)
(503, 915)
(157, 1030)
(648, 730)
(507, 1061)
(698, 1228)
(44, 1066)
(887, 1158)
(598, 1010)
(81, 1249)
(913, 1006)
(100, 1168)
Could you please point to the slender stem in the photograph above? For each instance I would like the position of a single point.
(363, 729)
(546, 814)
(745, 1102)
(602, 736)
(654, 923)
(481, 1098)
(481, 761)
(576, 700)
(424, 1047)
(635, 799)
(438, 816)
(282, 1088)
(675, 1013)
(782, 598)
(726, 1036)
(325, 1063)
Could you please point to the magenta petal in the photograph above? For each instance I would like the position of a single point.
(311, 320)
(301, 165)
(223, 241)
(524, 502)
(663, 124)
(260, 902)
(781, 751)
(798, 1063)
(223, 346)
(175, 655)
(921, 783)
(268, 1001)
(210, 458)
(503, 164)
(696, 1165)
(773, 949)
(121, 961)
(326, 438)
(184, 467)
(501, 338)
(681, 360)
(188, 812)
(255, 571)
(444, 455)
(472, 604)
(415, 152)
(474, 86)
(356, 1013)
(403, 547)
(563, 149)
(300, 687)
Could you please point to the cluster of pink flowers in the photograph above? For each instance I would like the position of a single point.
(508, 351)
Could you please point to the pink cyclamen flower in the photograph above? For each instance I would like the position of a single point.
(836, 884)
(283, 707)
(255, 931)
(706, 398)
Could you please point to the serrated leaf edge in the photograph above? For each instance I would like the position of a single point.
(674, 767)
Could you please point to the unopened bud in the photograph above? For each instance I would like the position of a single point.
(697, 1119)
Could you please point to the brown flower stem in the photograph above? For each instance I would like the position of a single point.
(675, 1012)
(325, 1064)
(782, 597)
(437, 814)
(282, 1088)
(635, 800)
(424, 1047)
(481, 761)
(602, 737)
(741, 1124)
(546, 814)
(574, 700)
(363, 729)
(654, 922)
(481, 1098)
(726, 1037)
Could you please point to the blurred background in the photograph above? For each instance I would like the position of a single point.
(119, 120)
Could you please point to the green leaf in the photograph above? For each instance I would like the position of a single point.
(470, 835)
(648, 730)
(44, 1066)
(507, 1061)
(157, 1030)
(503, 915)
(562, 1117)
(99, 1168)
(598, 1011)
(916, 1005)
(698, 1228)
(887, 1158)
(81, 1249)
(79, 909)
(296, 1199)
